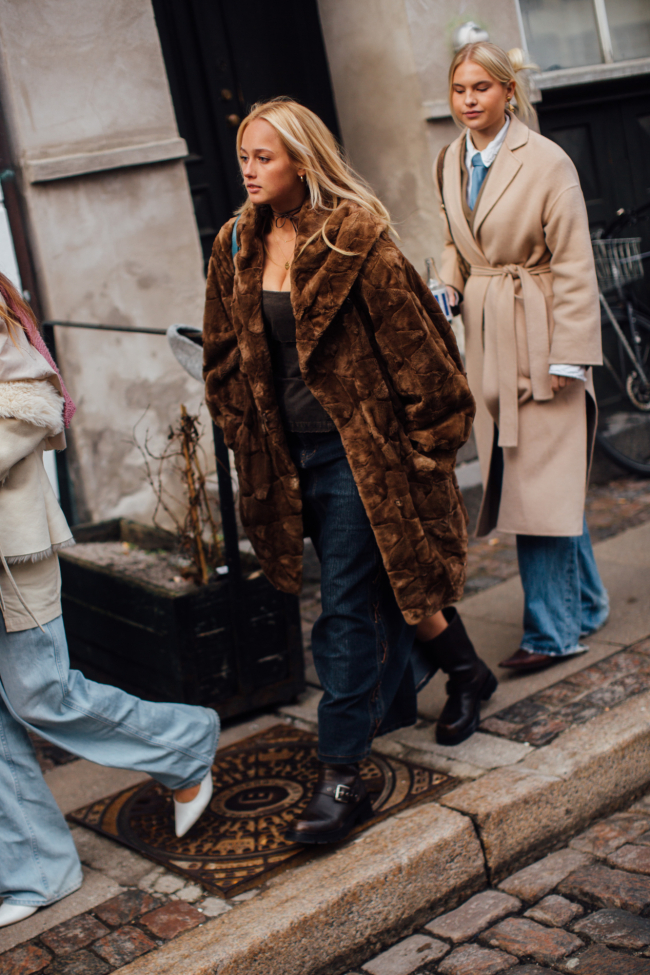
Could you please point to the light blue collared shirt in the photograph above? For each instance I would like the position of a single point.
(488, 155)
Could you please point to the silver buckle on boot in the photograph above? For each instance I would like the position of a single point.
(343, 793)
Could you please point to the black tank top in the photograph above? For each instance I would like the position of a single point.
(300, 410)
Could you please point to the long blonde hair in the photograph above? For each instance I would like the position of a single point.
(13, 308)
(329, 177)
(502, 66)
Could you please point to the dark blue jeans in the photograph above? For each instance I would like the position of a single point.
(361, 644)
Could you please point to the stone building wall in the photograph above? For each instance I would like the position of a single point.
(389, 61)
(110, 221)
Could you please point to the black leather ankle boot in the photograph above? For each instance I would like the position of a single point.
(470, 680)
(339, 803)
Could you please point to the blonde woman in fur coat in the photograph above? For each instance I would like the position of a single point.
(338, 385)
(175, 743)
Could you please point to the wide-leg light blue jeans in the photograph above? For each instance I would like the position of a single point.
(564, 596)
(174, 743)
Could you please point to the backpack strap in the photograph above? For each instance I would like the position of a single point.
(235, 245)
(441, 163)
(464, 266)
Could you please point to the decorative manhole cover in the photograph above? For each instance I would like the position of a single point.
(260, 785)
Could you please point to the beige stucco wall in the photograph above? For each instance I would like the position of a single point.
(83, 74)
(118, 246)
(386, 58)
(378, 99)
(432, 23)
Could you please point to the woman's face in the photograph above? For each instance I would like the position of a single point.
(270, 174)
(478, 99)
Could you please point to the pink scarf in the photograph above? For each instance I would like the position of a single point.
(36, 339)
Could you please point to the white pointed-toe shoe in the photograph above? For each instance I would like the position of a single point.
(187, 813)
(13, 913)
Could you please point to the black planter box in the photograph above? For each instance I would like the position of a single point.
(234, 645)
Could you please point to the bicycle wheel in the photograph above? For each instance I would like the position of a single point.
(622, 458)
(623, 398)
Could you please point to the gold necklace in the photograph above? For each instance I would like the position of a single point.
(288, 241)
(287, 263)
(286, 266)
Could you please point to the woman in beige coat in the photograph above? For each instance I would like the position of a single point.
(175, 743)
(518, 256)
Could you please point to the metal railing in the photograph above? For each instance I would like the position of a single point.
(105, 328)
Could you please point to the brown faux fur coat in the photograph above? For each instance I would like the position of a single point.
(378, 354)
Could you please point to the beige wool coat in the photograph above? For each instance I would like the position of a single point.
(530, 299)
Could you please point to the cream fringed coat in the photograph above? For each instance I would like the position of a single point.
(32, 525)
(530, 300)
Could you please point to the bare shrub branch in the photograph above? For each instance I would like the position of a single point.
(198, 526)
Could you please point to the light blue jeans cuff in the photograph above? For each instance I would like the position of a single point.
(563, 593)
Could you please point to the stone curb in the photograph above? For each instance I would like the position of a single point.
(528, 808)
(324, 914)
(335, 909)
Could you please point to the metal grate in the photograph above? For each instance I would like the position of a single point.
(618, 261)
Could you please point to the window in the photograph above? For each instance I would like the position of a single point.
(629, 28)
(561, 33)
(576, 33)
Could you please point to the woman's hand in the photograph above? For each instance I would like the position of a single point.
(559, 382)
(452, 296)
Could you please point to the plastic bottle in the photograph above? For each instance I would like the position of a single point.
(437, 288)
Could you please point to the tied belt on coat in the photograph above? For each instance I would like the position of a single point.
(499, 316)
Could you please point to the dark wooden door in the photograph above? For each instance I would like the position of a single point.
(605, 129)
(221, 57)
(599, 158)
(609, 142)
(635, 114)
(606, 132)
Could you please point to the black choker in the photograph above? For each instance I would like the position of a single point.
(279, 219)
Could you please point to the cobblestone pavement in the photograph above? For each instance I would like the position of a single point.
(584, 909)
(541, 717)
(121, 929)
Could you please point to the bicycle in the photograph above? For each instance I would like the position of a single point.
(623, 381)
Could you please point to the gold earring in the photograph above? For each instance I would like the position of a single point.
(302, 179)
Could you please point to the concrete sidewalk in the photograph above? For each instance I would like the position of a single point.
(493, 621)
(514, 802)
